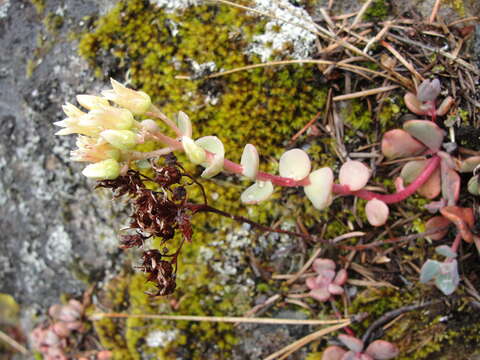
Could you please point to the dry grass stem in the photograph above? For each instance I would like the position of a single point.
(365, 93)
(13, 343)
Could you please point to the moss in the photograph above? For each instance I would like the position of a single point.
(378, 10)
(39, 5)
(261, 106)
(53, 22)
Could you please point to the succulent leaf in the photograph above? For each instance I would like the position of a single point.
(427, 132)
(250, 161)
(319, 191)
(398, 143)
(258, 192)
(354, 174)
(377, 212)
(382, 350)
(294, 164)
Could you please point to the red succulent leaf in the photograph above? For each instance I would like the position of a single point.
(425, 131)
(382, 350)
(437, 222)
(398, 143)
(463, 219)
(414, 105)
(432, 187)
(351, 342)
(333, 353)
(341, 277)
(450, 183)
(320, 294)
(323, 264)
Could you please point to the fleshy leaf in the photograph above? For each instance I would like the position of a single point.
(446, 104)
(184, 124)
(437, 222)
(352, 343)
(414, 105)
(294, 164)
(446, 251)
(333, 353)
(258, 192)
(215, 146)
(429, 270)
(450, 183)
(469, 164)
(428, 90)
(335, 289)
(447, 278)
(473, 187)
(463, 219)
(341, 277)
(319, 191)
(382, 350)
(320, 294)
(398, 143)
(215, 167)
(377, 212)
(427, 132)
(250, 161)
(194, 152)
(323, 264)
(354, 174)
(431, 188)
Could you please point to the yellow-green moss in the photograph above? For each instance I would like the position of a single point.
(39, 5)
(378, 10)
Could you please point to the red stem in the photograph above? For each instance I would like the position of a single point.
(432, 165)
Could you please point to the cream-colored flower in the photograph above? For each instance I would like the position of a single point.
(137, 102)
(108, 117)
(103, 170)
(93, 150)
(121, 139)
(92, 102)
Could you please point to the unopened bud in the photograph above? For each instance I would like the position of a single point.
(121, 139)
(137, 102)
(103, 170)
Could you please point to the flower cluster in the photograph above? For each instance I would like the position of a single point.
(105, 132)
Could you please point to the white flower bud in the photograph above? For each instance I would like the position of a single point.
(137, 102)
(121, 139)
(103, 170)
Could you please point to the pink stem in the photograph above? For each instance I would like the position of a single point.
(230, 166)
(456, 242)
(432, 165)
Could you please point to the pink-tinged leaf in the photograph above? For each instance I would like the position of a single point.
(463, 219)
(250, 161)
(450, 184)
(333, 353)
(341, 277)
(377, 212)
(104, 355)
(77, 305)
(350, 356)
(445, 106)
(431, 188)
(75, 325)
(366, 357)
(312, 283)
(321, 294)
(425, 131)
(319, 191)
(382, 350)
(437, 222)
(469, 164)
(354, 174)
(428, 90)
(55, 310)
(335, 289)
(294, 164)
(323, 264)
(258, 192)
(398, 143)
(414, 105)
(353, 343)
(326, 274)
(61, 329)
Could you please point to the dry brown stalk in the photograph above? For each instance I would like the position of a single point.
(365, 93)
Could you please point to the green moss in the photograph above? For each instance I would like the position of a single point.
(261, 106)
(378, 10)
(53, 22)
(39, 5)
